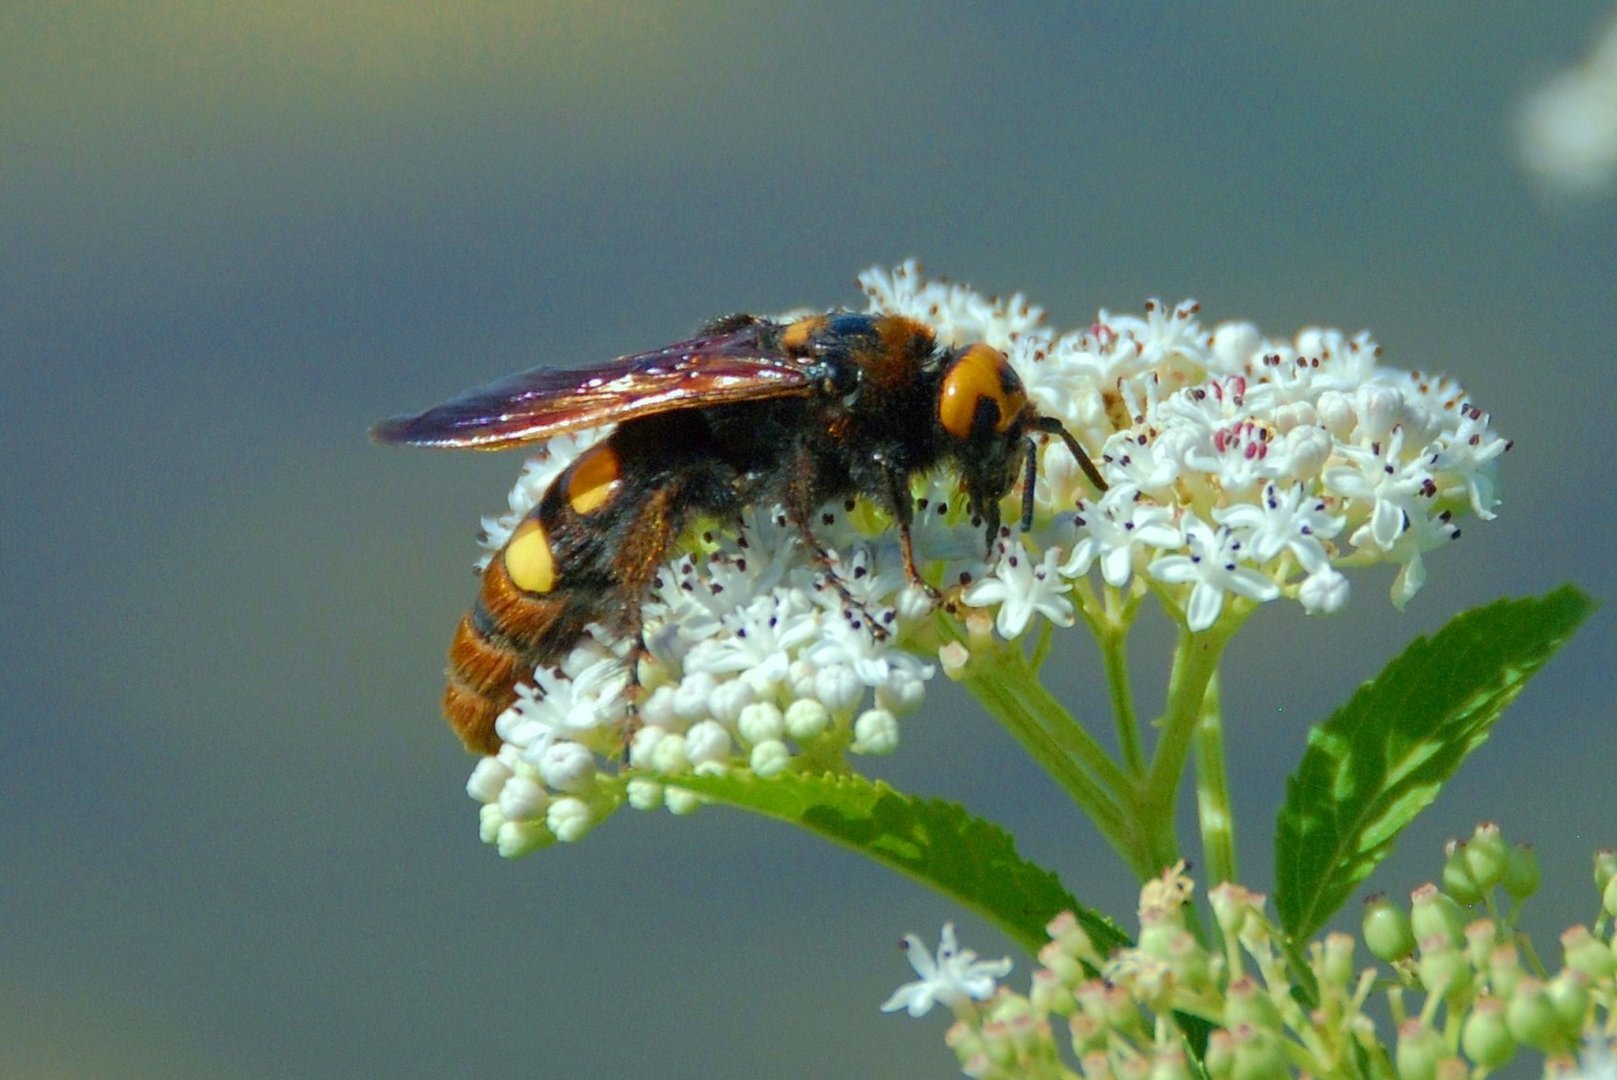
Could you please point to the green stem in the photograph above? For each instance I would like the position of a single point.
(1213, 809)
(1112, 632)
(1195, 663)
(1002, 681)
(1041, 647)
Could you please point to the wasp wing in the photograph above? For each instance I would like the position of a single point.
(714, 369)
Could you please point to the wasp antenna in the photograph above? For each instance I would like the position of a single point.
(1050, 425)
(1030, 475)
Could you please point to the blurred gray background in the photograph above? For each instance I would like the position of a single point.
(233, 837)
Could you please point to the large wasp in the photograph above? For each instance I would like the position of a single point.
(751, 410)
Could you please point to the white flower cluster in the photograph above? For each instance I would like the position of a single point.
(1236, 465)
(1567, 128)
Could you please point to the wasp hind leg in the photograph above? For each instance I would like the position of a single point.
(645, 546)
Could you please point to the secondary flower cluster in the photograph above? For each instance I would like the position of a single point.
(1463, 992)
(1567, 127)
(1240, 470)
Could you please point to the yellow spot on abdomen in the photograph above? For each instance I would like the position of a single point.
(528, 558)
(593, 479)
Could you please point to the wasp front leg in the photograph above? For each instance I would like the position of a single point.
(902, 504)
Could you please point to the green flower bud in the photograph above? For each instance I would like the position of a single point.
(1486, 854)
(1220, 1058)
(1334, 963)
(1605, 867)
(1387, 930)
(1066, 932)
(1521, 872)
(1259, 1054)
(1420, 1048)
(1443, 969)
(1458, 881)
(1569, 996)
(1531, 1017)
(1169, 1063)
(1431, 913)
(1588, 954)
(1048, 994)
(1088, 1035)
(1233, 906)
(1247, 1003)
(1485, 1037)
(1481, 937)
(1504, 969)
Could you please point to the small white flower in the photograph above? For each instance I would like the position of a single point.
(681, 802)
(644, 794)
(1379, 475)
(565, 766)
(707, 743)
(522, 799)
(1324, 592)
(807, 719)
(849, 651)
(951, 978)
(769, 758)
(488, 777)
(875, 732)
(1114, 529)
(1468, 456)
(1285, 519)
(1023, 588)
(1234, 345)
(761, 721)
(1423, 534)
(1212, 568)
(903, 692)
(514, 839)
(569, 819)
(557, 706)
(1596, 1061)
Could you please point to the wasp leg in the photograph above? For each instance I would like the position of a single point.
(903, 507)
(646, 543)
(799, 511)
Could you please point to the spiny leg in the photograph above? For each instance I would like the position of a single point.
(799, 511)
(903, 507)
(649, 537)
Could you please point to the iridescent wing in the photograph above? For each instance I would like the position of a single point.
(713, 369)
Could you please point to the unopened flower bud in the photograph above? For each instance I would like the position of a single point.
(1487, 855)
(1532, 1018)
(1420, 1048)
(1485, 1037)
(1605, 867)
(1586, 953)
(1432, 913)
(1387, 930)
(1442, 968)
(1521, 872)
(1458, 881)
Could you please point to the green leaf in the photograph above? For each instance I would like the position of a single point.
(972, 861)
(1383, 757)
